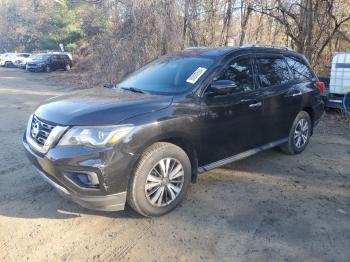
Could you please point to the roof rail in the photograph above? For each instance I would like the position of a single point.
(267, 46)
(194, 47)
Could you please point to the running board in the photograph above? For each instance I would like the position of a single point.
(240, 156)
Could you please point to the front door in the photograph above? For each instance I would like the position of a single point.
(233, 121)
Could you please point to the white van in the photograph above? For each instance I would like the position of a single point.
(340, 80)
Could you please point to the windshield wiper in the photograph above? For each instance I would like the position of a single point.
(134, 89)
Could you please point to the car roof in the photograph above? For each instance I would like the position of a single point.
(223, 51)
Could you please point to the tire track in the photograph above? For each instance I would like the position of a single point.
(14, 168)
(125, 250)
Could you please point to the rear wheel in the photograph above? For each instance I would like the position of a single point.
(67, 68)
(299, 134)
(160, 180)
(48, 69)
(8, 64)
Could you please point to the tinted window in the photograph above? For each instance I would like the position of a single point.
(272, 71)
(64, 57)
(55, 58)
(299, 69)
(240, 72)
(168, 74)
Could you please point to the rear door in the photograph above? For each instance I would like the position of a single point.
(282, 96)
(57, 62)
(64, 61)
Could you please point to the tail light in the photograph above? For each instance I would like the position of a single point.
(320, 86)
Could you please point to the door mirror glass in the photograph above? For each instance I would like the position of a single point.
(222, 87)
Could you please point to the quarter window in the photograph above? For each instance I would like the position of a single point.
(299, 69)
(239, 72)
(272, 71)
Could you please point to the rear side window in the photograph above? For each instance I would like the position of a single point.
(299, 69)
(240, 72)
(272, 71)
(55, 58)
(64, 57)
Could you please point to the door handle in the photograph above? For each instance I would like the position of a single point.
(255, 105)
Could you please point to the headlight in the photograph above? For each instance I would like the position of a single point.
(95, 136)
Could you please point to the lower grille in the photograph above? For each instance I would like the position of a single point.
(40, 130)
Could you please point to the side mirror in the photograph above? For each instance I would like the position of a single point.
(221, 87)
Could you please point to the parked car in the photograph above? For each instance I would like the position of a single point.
(20, 60)
(143, 140)
(12, 59)
(339, 84)
(5, 59)
(47, 62)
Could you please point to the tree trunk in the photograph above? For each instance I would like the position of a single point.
(185, 21)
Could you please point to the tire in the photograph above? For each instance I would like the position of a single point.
(47, 69)
(8, 64)
(299, 135)
(148, 173)
(67, 67)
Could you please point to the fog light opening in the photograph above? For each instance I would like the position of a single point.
(84, 179)
(89, 179)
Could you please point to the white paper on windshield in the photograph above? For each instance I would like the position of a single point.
(196, 75)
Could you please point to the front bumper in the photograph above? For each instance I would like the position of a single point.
(111, 196)
(113, 202)
(35, 68)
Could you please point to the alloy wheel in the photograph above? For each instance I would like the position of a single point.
(164, 182)
(301, 133)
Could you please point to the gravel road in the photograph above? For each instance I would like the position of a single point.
(269, 207)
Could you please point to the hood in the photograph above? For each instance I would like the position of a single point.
(99, 106)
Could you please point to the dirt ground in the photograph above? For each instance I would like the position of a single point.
(269, 207)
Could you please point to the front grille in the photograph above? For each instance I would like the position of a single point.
(40, 130)
(32, 65)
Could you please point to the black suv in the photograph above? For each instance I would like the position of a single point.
(47, 62)
(143, 140)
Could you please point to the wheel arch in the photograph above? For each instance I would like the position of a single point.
(190, 150)
(311, 113)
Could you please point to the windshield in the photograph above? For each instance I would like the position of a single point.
(39, 57)
(168, 74)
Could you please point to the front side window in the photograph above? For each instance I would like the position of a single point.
(272, 71)
(240, 73)
(299, 69)
(169, 74)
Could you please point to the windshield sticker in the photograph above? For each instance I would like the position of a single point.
(196, 75)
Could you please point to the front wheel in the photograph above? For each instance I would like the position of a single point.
(67, 67)
(299, 134)
(160, 180)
